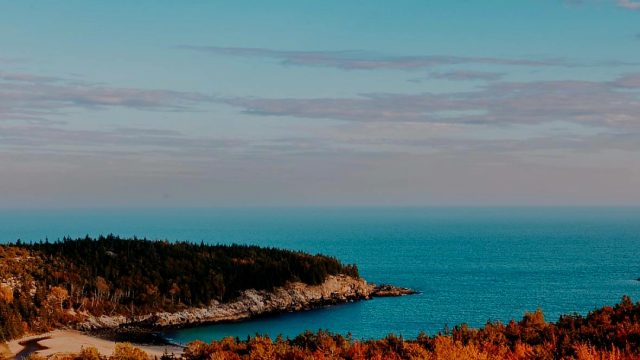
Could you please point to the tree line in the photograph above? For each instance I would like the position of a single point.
(46, 284)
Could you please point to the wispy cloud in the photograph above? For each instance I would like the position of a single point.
(27, 77)
(611, 104)
(122, 141)
(628, 4)
(630, 81)
(364, 60)
(462, 75)
(30, 96)
(10, 60)
(620, 141)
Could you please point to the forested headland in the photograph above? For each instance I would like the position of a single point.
(48, 284)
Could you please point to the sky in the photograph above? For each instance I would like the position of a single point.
(324, 103)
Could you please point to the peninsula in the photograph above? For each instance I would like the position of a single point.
(111, 283)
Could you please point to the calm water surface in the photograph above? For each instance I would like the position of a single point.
(471, 264)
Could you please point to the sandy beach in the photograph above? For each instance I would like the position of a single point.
(71, 341)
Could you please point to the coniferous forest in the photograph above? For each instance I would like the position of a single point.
(44, 284)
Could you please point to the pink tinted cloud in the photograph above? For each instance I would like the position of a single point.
(611, 104)
(628, 4)
(364, 60)
(30, 96)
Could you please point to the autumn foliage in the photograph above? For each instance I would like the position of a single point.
(123, 351)
(609, 333)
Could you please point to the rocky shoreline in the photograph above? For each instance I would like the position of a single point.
(294, 296)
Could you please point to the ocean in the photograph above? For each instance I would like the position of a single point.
(471, 265)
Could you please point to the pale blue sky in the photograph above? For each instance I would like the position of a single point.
(239, 103)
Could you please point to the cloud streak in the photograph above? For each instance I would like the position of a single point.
(33, 97)
(120, 141)
(364, 60)
(628, 4)
(463, 75)
(613, 104)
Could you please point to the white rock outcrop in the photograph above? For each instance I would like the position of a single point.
(294, 296)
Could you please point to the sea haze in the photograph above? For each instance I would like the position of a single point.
(471, 264)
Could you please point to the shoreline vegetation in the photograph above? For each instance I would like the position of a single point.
(607, 333)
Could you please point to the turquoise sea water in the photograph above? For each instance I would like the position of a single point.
(471, 264)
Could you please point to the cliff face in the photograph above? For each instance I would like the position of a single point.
(291, 297)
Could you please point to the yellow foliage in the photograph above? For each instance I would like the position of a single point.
(261, 348)
(57, 295)
(415, 352)
(62, 357)
(196, 350)
(6, 294)
(35, 356)
(126, 351)
(89, 353)
(224, 355)
(521, 351)
(447, 349)
(587, 352)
